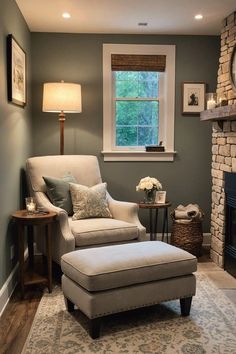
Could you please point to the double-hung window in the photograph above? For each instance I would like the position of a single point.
(138, 101)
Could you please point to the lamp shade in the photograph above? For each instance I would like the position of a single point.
(62, 96)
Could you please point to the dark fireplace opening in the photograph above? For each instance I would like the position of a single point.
(230, 224)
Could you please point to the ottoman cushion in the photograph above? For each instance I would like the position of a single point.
(111, 267)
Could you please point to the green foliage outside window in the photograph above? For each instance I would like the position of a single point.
(136, 107)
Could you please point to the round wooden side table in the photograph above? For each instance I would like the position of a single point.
(23, 220)
(153, 222)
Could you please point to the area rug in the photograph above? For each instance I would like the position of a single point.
(210, 328)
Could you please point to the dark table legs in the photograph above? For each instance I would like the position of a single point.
(30, 242)
(153, 223)
(21, 257)
(49, 255)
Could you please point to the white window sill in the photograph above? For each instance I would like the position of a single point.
(138, 156)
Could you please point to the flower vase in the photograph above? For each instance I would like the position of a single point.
(150, 195)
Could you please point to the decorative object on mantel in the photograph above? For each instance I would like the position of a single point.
(155, 148)
(226, 75)
(211, 99)
(149, 185)
(214, 100)
(62, 97)
(187, 228)
(193, 97)
(233, 69)
(221, 100)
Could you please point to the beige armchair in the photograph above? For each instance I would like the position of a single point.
(68, 234)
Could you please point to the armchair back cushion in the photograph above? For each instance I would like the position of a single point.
(84, 168)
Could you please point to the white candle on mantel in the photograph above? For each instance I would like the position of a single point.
(211, 104)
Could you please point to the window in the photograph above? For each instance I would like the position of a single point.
(138, 101)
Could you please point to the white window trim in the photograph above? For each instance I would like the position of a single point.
(167, 132)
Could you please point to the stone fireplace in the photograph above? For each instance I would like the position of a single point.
(223, 160)
(223, 140)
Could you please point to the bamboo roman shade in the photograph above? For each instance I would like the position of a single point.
(135, 62)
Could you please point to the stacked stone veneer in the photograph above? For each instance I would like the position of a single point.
(223, 160)
(223, 143)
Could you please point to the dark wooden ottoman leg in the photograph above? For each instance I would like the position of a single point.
(94, 327)
(69, 305)
(185, 305)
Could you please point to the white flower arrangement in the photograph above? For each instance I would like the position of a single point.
(148, 184)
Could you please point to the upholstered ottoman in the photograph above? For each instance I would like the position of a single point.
(105, 280)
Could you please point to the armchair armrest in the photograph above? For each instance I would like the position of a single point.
(126, 211)
(63, 239)
(43, 201)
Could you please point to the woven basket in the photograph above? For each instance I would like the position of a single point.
(189, 236)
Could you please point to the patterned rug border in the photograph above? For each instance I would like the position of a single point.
(219, 300)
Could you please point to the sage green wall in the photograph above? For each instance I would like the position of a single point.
(15, 131)
(78, 58)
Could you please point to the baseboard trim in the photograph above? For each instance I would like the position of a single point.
(7, 289)
(9, 286)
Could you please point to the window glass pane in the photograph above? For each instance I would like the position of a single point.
(147, 136)
(126, 136)
(126, 88)
(137, 112)
(148, 112)
(136, 123)
(127, 75)
(127, 112)
(147, 89)
(136, 84)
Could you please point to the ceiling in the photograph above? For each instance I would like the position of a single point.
(123, 16)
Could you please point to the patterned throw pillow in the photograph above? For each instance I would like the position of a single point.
(58, 191)
(89, 202)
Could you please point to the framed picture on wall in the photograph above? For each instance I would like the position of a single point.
(193, 97)
(16, 72)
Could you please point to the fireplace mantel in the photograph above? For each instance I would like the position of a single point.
(219, 114)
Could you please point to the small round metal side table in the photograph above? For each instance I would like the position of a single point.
(153, 219)
(23, 220)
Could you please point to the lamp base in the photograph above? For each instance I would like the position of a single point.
(62, 118)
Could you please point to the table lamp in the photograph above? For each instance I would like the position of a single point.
(62, 97)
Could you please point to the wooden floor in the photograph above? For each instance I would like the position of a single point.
(18, 316)
(17, 319)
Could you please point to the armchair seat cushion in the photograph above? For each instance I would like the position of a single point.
(97, 231)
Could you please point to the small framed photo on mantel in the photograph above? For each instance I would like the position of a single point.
(16, 72)
(193, 97)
